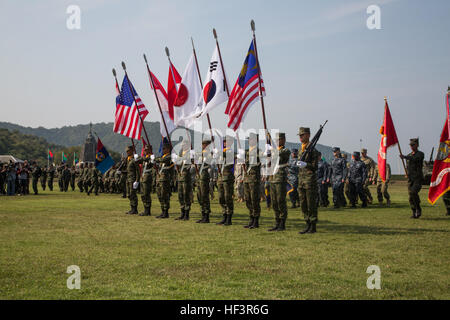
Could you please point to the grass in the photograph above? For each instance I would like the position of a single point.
(132, 257)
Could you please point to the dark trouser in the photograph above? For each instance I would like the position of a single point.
(356, 189)
(43, 183)
(66, 184)
(164, 191)
(203, 193)
(72, 183)
(308, 202)
(146, 190)
(35, 185)
(50, 183)
(413, 192)
(252, 195)
(226, 190)
(80, 184)
(338, 194)
(184, 194)
(132, 194)
(278, 198)
(94, 187)
(322, 199)
(11, 187)
(23, 186)
(382, 191)
(446, 199)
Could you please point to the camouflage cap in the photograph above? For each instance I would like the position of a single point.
(148, 147)
(129, 148)
(303, 130)
(363, 150)
(336, 149)
(280, 135)
(413, 141)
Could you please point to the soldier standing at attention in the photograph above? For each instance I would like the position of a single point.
(357, 176)
(35, 174)
(323, 172)
(293, 179)
(123, 177)
(338, 176)
(163, 180)
(133, 178)
(66, 177)
(43, 178)
(382, 186)
(73, 174)
(278, 183)
(225, 181)
(346, 183)
(307, 182)
(370, 165)
(93, 176)
(80, 177)
(184, 180)
(147, 162)
(203, 191)
(252, 181)
(51, 176)
(414, 167)
(239, 178)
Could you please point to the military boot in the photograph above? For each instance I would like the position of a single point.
(161, 215)
(308, 226)
(206, 220)
(275, 228)
(282, 225)
(202, 219)
(313, 228)
(388, 202)
(228, 222)
(181, 217)
(250, 222)
(166, 214)
(146, 212)
(133, 210)
(186, 215)
(255, 223)
(418, 212)
(223, 220)
(413, 216)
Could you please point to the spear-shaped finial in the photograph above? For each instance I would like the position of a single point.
(385, 98)
(114, 72)
(252, 24)
(124, 66)
(215, 33)
(145, 58)
(167, 52)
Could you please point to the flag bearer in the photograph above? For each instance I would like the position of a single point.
(133, 177)
(147, 162)
(203, 191)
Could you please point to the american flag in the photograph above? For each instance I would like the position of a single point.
(127, 121)
(245, 91)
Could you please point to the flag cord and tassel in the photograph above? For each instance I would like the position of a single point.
(118, 88)
(157, 101)
(135, 102)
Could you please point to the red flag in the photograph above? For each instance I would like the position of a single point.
(172, 88)
(440, 180)
(388, 138)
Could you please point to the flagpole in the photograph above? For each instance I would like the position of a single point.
(48, 158)
(252, 24)
(118, 88)
(201, 85)
(398, 142)
(157, 101)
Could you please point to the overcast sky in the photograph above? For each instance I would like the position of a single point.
(319, 61)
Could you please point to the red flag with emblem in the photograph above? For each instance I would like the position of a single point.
(172, 90)
(388, 139)
(440, 179)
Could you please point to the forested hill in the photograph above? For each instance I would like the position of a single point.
(75, 136)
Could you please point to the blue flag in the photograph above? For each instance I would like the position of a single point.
(103, 160)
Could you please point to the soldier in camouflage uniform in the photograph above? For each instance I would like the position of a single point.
(72, 177)
(35, 174)
(293, 179)
(252, 181)
(357, 176)
(80, 181)
(147, 163)
(123, 177)
(93, 176)
(133, 178)
(278, 181)
(59, 170)
(163, 180)
(225, 181)
(66, 177)
(338, 176)
(184, 163)
(382, 186)
(51, 176)
(203, 191)
(346, 183)
(86, 178)
(370, 165)
(43, 178)
(323, 173)
(414, 167)
(307, 182)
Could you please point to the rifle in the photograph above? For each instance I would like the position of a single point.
(313, 142)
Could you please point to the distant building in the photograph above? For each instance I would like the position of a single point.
(89, 149)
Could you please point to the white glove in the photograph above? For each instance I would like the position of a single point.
(152, 158)
(135, 185)
(301, 164)
(215, 154)
(241, 154)
(268, 149)
(135, 156)
(192, 154)
(174, 157)
(215, 151)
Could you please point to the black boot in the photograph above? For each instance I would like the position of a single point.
(276, 225)
(228, 222)
(186, 215)
(223, 220)
(418, 212)
(313, 228)
(146, 212)
(308, 226)
(161, 215)
(133, 210)
(202, 219)
(166, 214)
(250, 222)
(206, 220)
(413, 216)
(255, 223)
(181, 217)
(282, 225)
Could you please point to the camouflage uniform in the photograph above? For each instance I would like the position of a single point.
(203, 191)
(147, 162)
(163, 182)
(184, 183)
(370, 165)
(80, 181)
(133, 175)
(414, 165)
(44, 178)
(278, 183)
(382, 186)
(225, 183)
(51, 176)
(93, 176)
(339, 172)
(123, 178)
(35, 173)
(293, 179)
(66, 178)
(72, 177)
(252, 182)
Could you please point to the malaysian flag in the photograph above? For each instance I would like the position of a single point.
(245, 91)
(127, 121)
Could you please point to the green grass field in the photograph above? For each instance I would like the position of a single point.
(132, 257)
